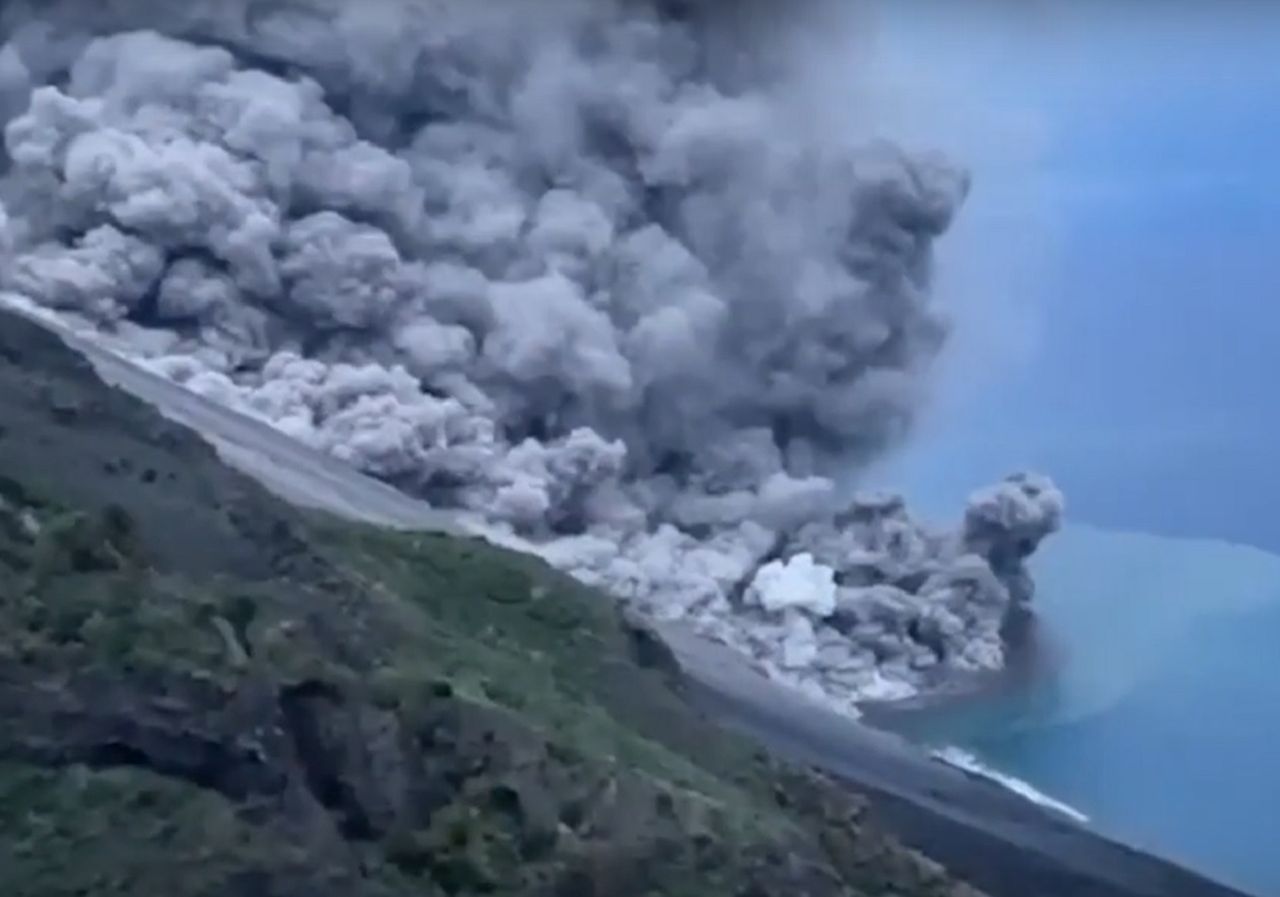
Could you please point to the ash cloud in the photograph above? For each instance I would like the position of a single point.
(579, 269)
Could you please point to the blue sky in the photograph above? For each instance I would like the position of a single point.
(1117, 275)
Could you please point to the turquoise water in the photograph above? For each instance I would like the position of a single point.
(1162, 723)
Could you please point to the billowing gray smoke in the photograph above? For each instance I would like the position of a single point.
(575, 266)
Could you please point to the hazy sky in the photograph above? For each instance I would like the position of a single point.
(1116, 273)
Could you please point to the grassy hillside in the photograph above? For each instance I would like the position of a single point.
(208, 693)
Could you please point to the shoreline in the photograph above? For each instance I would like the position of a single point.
(1032, 660)
(1000, 841)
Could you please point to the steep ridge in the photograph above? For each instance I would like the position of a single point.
(197, 678)
(207, 690)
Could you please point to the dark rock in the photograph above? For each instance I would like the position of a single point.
(103, 722)
(649, 651)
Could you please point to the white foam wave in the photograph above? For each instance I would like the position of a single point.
(967, 762)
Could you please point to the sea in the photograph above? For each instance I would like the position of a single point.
(1156, 717)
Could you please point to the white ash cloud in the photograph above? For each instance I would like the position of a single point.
(580, 269)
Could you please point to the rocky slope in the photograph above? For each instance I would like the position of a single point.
(208, 692)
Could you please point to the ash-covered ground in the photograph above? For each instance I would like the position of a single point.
(587, 270)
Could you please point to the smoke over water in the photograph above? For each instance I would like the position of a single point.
(584, 269)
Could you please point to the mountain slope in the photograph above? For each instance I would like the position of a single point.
(204, 686)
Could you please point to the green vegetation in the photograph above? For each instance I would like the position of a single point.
(506, 629)
(125, 831)
(208, 693)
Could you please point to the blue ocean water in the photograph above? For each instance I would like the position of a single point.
(1162, 721)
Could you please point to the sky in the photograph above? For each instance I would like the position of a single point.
(1114, 277)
